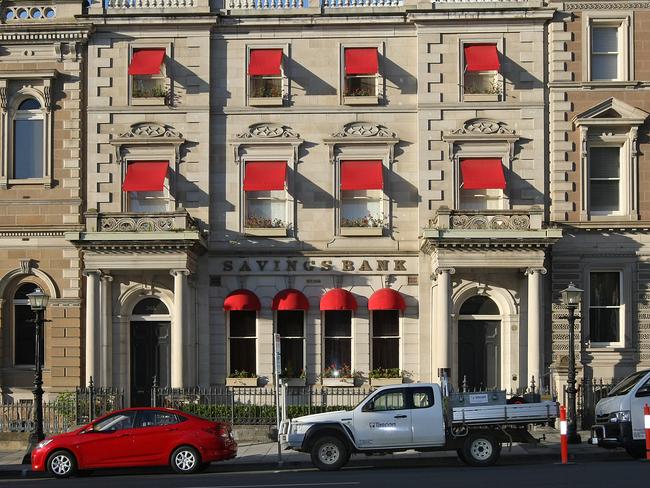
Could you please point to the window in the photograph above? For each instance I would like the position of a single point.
(242, 340)
(147, 184)
(608, 41)
(118, 421)
(24, 328)
(290, 326)
(604, 180)
(385, 339)
(338, 338)
(28, 140)
(386, 401)
(605, 55)
(482, 184)
(361, 67)
(266, 195)
(155, 418)
(605, 307)
(422, 397)
(362, 194)
(265, 77)
(481, 72)
(148, 75)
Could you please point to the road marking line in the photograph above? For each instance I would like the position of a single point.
(288, 484)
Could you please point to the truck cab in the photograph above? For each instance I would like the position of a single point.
(619, 416)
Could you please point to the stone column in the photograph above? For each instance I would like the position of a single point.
(106, 331)
(177, 359)
(534, 325)
(443, 314)
(92, 278)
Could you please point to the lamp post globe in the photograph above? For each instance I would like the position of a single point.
(38, 301)
(571, 297)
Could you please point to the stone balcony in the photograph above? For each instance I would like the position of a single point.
(154, 7)
(140, 222)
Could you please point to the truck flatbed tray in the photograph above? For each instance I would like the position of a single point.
(506, 414)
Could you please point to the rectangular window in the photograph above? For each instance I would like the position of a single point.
(265, 76)
(290, 326)
(361, 74)
(605, 307)
(147, 186)
(604, 180)
(481, 70)
(148, 77)
(385, 339)
(266, 195)
(242, 336)
(338, 338)
(605, 52)
(361, 194)
(28, 148)
(482, 184)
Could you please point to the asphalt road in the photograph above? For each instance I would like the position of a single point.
(604, 474)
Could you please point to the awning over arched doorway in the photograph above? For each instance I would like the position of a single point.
(241, 300)
(386, 299)
(290, 299)
(338, 299)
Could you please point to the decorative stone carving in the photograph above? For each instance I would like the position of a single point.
(134, 224)
(266, 134)
(363, 129)
(268, 131)
(363, 133)
(148, 133)
(26, 266)
(483, 126)
(3, 98)
(493, 222)
(482, 131)
(570, 6)
(151, 129)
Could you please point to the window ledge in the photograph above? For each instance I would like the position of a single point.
(481, 97)
(30, 181)
(148, 101)
(607, 348)
(590, 85)
(266, 232)
(362, 100)
(266, 101)
(386, 381)
(362, 231)
(241, 382)
(339, 382)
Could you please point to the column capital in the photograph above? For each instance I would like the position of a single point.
(443, 270)
(183, 272)
(90, 272)
(532, 270)
(106, 277)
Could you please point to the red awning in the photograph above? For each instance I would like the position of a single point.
(482, 174)
(386, 299)
(241, 300)
(265, 175)
(482, 57)
(145, 176)
(290, 299)
(338, 299)
(361, 61)
(146, 62)
(362, 175)
(265, 62)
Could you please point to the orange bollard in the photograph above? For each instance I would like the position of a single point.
(646, 425)
(564, 444)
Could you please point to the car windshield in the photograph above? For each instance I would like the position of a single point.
(624, 387)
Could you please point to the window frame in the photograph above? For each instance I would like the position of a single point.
(164, 74)
(229, 336)
(167, 185)
(399, 335)
(325, 337)
(301, 338)
(469, 40)
(477, 153)
(622, 181)
(380, 79)
(624, 20)
(622, 308)
(285, 80)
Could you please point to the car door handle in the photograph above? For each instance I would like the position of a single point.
(171, 429)
(400, 416)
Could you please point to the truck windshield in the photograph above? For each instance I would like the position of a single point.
(624, 387)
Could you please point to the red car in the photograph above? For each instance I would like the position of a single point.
(137, 437)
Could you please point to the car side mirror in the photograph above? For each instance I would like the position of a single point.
(89, 429)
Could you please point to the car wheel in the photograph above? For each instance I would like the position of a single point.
(329, 453)
(636, 452)
(185, 460)
(481, 449)
(61, 464)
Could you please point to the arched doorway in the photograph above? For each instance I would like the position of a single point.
(150, 349)
(479, 351)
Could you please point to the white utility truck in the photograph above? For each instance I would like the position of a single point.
(619, 416)
(416, 416)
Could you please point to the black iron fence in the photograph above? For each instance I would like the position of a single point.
(589, 392)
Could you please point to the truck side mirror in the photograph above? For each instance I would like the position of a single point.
(369, 407)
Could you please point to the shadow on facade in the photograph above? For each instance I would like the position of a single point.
(308, 81)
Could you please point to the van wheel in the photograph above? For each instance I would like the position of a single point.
(185, 460)
(329, 453)
(61, 464)
(481, 449)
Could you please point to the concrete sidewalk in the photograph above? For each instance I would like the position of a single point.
(262, 456)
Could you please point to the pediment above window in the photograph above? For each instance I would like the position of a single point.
(268, 136)
(611, 112)
(362, 134)
(483, 134)
(148, 134)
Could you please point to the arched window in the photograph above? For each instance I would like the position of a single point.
(150, 306)
(28, 140)
(479, 305)
(24, 328)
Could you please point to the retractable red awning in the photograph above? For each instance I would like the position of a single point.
(362, 175)
(265, 175)
(361, 61)
(386, 299)
(482, 174)
(146, 62)
(482, 57)
(290, 299)
(145, 176)
(265, 62)
(241, 300)
(338, 299)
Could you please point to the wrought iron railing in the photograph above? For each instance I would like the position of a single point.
(589, 393)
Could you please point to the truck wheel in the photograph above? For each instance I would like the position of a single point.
(329, 453)
(481, 449)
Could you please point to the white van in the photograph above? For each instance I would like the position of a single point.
(619, 416)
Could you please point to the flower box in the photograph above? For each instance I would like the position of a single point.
(338, 382)
(239, 382)
(148, 100)
(293, 381)
(361, 100)
(265, 101)
(481, 97)
(266, 231)
(362, 231)
(385, 381)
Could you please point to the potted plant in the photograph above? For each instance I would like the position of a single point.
(344, 375)
(370, 225)
(241, 378)
(264, 226)
(386, 376)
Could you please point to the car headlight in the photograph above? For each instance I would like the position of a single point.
(622, 416)
(300, 428)
(44, 443)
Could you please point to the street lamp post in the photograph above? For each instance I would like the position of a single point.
(38, 302)
(571, 296)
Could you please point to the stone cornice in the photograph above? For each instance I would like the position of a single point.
(30, 34)
(571, 6)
